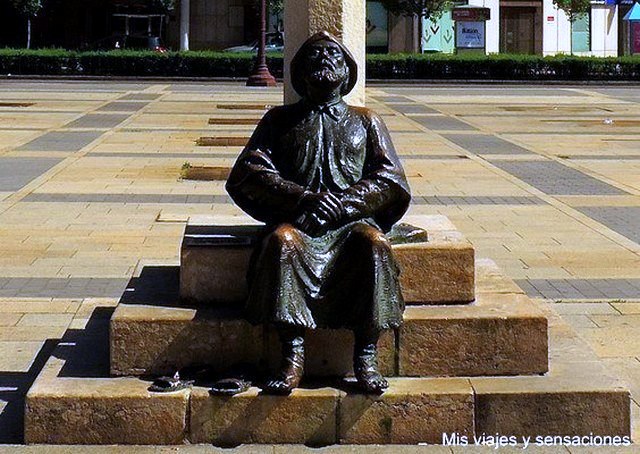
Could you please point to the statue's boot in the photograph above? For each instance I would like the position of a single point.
(365, 364)
(292, 366)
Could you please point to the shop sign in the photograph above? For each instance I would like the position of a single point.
(470, 35)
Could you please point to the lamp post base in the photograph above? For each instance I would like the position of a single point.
(261, 77)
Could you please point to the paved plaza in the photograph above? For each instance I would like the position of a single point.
(544, 180)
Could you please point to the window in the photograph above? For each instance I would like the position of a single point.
(581, 33)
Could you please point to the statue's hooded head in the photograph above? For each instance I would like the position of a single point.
(324, 63)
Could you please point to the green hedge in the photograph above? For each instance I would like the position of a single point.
(395, 66)
(130, 63)
(502, 67)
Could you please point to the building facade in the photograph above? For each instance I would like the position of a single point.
(515, 26)
(537, 27)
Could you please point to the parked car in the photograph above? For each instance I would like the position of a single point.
(137, 42)
(274, 43)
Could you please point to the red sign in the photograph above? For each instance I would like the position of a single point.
(471, 14)
(550, 18)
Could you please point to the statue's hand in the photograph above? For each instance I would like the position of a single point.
(324, 205)
(312, 225)
(318, 212)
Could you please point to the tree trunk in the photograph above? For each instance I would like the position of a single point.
(29, 33)
(420, 33)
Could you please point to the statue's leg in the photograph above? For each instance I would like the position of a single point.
(292, 366)
(378, 304)
(365, 362)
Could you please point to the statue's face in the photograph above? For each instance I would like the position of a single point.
(326, 65)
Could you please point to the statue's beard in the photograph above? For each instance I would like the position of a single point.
(327, 77)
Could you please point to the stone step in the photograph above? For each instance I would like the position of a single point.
(216, 251)
(501, 333)
(71, 403)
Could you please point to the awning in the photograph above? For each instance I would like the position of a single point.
(633, 14)
(615, 2)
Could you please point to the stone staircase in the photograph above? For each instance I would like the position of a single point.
(480, 357)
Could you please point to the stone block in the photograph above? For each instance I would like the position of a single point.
(411, 411)
(576, 404)
(160, 340)
(330, 352)
(499, 334)
(216, 251)
(214, 261)
(306, 416)
(87, 411)
(577, 397)
(440, 271)
(148, 340)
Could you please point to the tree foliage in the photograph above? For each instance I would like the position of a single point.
(274, 6)
(28, 8)
(165, 5)
(574, 8)
(429, 9)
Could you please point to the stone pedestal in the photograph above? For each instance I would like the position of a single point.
(343, 18)
(499, 334)
(215, 256)
(73, 403)
(501, 364)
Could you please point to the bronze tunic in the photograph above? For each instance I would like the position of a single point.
(348, 276)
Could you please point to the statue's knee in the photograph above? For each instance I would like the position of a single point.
(372, 237)
(284, 236)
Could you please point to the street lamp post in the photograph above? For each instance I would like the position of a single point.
(261, 77)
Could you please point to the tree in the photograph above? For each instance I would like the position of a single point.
(574, 9)
(422, 9)
(29, 9)
(165, 5)
(276, 6)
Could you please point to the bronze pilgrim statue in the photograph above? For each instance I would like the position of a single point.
(326, 180)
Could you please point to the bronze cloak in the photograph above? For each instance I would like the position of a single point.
(348, 276)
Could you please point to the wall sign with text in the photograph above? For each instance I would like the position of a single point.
(470, 35)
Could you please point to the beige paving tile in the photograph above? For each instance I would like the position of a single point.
(579, 321)
(45, 320)
(627, 308)
(628, 369)
(584, 308)
(614, 341)
(612, 321)
(16, 356)
(34, 305)
(30, 333)
(9, 318)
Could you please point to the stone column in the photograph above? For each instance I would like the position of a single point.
(185, 17)
(342, 18)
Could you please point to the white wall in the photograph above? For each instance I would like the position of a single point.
(493, 25)
(604, 31)
(556, 33)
